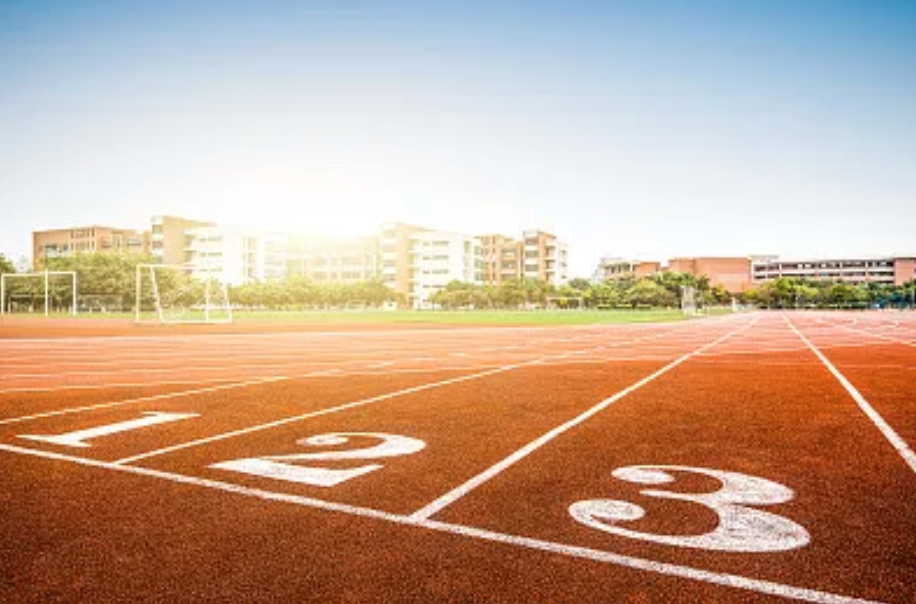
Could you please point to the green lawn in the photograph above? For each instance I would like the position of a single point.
(468, 317)
(409, 317)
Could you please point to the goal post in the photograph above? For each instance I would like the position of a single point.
(17, 286)
(172, 294)
(689, 300)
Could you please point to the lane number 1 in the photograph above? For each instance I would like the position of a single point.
(78, 438)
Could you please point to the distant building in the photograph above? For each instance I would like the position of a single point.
(546, 258)
(887, 270)
(502, 258)
(616, 268)
(395, 246)
(413, 261)
(169, 237)
(437, 258)
(73, 240)
(732, 274)
(333, 260)
(538, 255)
(236, 256)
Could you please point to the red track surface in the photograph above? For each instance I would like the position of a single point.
(516, 458)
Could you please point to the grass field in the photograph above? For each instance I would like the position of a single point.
(472, 317)
(408, 317)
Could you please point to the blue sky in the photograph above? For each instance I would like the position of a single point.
(637, 129)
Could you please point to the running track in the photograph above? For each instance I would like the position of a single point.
(755, 458)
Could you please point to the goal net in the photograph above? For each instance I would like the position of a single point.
(171, 294)
(43, 292)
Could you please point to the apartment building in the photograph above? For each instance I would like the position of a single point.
(333, 260)
(95, 238)
(235, 256)
(168, 236)
(413, 261)
(502, 258)
(538, 255)
(395, 245)
(438, 258)
(545, 258)
(887, 270)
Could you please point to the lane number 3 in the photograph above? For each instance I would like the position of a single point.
(288, 468)
(741, 528)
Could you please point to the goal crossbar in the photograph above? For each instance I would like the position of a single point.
(47, 287)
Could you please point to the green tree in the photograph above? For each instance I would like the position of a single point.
(114, 275)
(647, 292)
(580, 284)
(6, 265)
(603, 296)
(807, 295)
(846, 295)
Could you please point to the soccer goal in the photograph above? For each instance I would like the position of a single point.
(171, 294)
(42, 292)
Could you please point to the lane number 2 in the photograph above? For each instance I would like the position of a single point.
(285, 467)
(740, 529)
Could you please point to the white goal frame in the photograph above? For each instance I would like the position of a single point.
(47, 287)
(162, 320)
(689, 300)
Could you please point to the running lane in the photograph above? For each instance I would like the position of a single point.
(784, 437)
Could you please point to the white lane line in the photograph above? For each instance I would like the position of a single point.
(873, 335)
(640, 564)
(386, 337)
(320, 412)
(352, 372)
(114, 385)
(351, 405)
(494, 470)
(157, 397)
(662, 568)
(902, 448)
(379, 365)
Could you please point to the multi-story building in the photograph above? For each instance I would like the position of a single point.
(235, 256)
(416, 261)
(617, 268)
(168, 237)
(438, 258)
(413, 261)
(333, 260)
(545, 258)
(395, 246)
(502, 258)
(887, 270)
(732, 274)
(65, 242)
(538, 255)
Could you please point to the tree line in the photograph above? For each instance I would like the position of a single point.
(107, 281)
(794, 292)
(656, 291)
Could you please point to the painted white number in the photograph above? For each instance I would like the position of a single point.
(76, 439)
(740, 529)
(281, 467)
